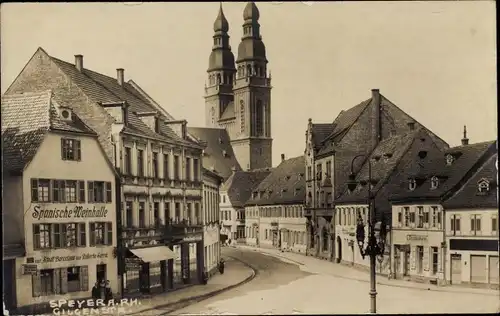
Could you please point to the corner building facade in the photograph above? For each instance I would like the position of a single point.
(59, 204)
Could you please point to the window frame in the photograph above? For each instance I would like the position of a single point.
(71, 149)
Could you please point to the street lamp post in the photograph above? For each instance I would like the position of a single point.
(373, 248)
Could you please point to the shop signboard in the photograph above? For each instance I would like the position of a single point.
(30, 269)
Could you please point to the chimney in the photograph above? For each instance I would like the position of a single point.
(282, 157)
(465, 140)
(411, 125)
(375, 117)
(79, 62)
(120, 76)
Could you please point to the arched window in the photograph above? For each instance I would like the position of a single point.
(325, 239)
(412, 184)
(218, 79)
(483, 186)
(249, 70)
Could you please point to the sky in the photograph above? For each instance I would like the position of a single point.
(435, 60)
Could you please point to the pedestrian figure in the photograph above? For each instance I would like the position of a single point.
(107, 290)
(205, 277)
(221, 266)
(95, 292)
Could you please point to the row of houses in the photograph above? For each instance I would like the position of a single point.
(438, 203)
(100, 183)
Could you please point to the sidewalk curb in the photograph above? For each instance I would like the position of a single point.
(174, 306)
(438, 289)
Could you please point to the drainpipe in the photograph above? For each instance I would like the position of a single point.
(444, 246)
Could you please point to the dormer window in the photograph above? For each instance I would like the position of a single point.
(254, 195)
(224, 153)
(434, 183)
(65, 114)
(449, 159)
(412, 184)
(483, 186)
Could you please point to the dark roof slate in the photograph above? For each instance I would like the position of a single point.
(104, 89)
(341, 125)
(468, 196)
(218, 154)
(26, 119)
(320, 132)
(284, 185)
(384, 159)
(467, 158)
(240, 184)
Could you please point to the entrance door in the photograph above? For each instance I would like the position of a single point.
(493, 270)
(339, 251)
(9, 284)
(406, 266)
(456, 269)
(101, 272)
(478, 269)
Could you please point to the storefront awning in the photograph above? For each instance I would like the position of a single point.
(154, 253)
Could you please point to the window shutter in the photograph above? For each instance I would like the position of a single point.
(34, 190)
(440, 268)
(90, 189)
(109, 193)
(36, 284)
(81, 193)
(63, 156)
(472, 224)
(78, 150)
(110, 233)
(64, 280)
(84, 278)
(426, 258)
(82, 234)
(57, 281)
(413, 258)
(92, 234)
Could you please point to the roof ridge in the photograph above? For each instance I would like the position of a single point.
(411, 117)
(346, 129)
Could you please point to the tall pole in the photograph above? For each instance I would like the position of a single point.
(372, 245)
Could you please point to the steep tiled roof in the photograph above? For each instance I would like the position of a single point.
(384, 159)
(468, 159)
(26, 118)
(468, 195)
(320, 132)
(341, 125)
(218, 155)
(284, 185)
(104, 89)
(240, 185)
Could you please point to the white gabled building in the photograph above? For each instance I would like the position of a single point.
(472, 229)
(59, 206)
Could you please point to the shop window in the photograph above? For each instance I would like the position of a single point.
(73, 279)
(435, 256)
(325, 240)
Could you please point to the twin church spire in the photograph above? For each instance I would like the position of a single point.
(238, 94)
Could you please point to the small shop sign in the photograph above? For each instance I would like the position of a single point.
(30, 269)
(416, 237)
(192, 238)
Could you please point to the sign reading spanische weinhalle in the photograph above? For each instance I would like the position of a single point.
(68, 212)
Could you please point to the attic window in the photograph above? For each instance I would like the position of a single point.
(376, 157)
(220, 140)
(224, 153)
(297, 190)
(412, 184)
(449, 159)
(66, 114)
(483, 186)
(387, 156)
(434, 183)
(422, 154)
(254, 195)
(287, 177)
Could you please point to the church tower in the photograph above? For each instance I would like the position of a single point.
(221, 70)
(252, 97)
